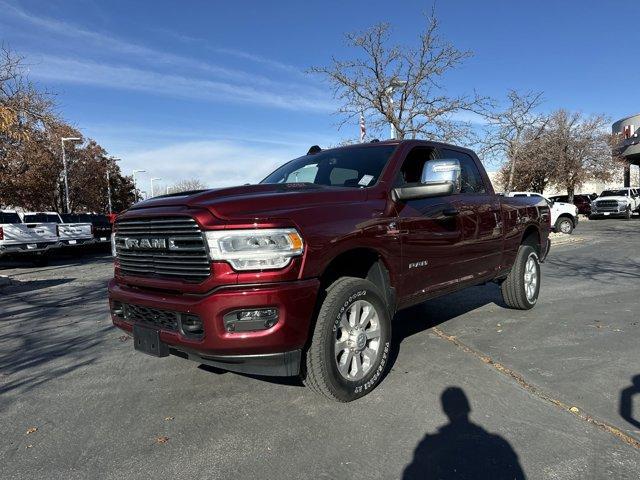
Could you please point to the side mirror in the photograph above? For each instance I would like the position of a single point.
(433, 189)
(439, 178)
(446, 170)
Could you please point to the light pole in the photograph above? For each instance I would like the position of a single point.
(135, 187)
(152, 180)
(395, 83)
(64, 168)
(113, 159)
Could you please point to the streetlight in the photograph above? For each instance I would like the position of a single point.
(113, 159)
(134, 182)
(395, 83)
(64, 167)
(152, 180)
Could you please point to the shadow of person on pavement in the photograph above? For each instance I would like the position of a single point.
(626, 404)
(461, 449)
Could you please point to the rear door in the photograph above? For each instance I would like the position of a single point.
(480, 220)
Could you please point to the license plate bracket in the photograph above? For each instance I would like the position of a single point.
(147, 340)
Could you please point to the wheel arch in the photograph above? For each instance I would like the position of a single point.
(531, 236)
(362, 262)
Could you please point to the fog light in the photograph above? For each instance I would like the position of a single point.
(191, 325)
(117, 309)
(250, 320)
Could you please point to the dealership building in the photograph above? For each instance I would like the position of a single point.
(628, 131)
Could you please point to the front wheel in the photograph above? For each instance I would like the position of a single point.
(627, 214)
(521, 288)
(349, 349)
(564, 225)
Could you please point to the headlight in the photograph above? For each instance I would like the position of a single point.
(259, 249)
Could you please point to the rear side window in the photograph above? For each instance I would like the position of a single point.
(9, 217)
(470, 178)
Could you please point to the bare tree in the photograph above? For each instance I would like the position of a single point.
(188, 186)
(532, 168)
(510, 129)
(581, 148)
(401, 85)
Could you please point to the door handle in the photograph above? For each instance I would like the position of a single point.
(450, 212)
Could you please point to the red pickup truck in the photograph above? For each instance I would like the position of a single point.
(302, 273)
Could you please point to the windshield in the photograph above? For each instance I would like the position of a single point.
(41, 218)
(9, 217)
(614, 193)
(349, 167)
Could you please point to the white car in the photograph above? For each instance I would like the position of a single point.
(69, 233)
(620, 202)
(564, 216)
(33, 240)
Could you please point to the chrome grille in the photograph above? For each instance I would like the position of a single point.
(607, 205)
(182, 255)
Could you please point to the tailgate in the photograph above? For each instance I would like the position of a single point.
(43, 231)
(75, 230)
(16, 233)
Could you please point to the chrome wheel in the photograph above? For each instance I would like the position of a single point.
(531, 278)
(357, 344)
(565, 226)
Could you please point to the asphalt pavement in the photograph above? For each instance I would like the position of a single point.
(475, 390)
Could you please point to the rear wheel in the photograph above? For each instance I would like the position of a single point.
(564, 225)
(521, 288)
(349, 348)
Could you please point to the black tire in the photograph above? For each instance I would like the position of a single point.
(564, 225)
(627, 214)
(513, 288)
(320, 366)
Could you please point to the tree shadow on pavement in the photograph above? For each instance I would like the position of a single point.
(47, 332)
(626, 402)
(434, 312)
(600, 270)
(461, 449)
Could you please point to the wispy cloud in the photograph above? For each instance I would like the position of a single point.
(216, 163)
(46, 67)
(143, 68)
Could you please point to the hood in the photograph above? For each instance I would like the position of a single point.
(252, 201)
(619, 198)
(564, 204)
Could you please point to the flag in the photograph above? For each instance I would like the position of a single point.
(363, 128)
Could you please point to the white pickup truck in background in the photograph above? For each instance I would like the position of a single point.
(71, 234)
(564, 216)
(622, 202)
(32, 240)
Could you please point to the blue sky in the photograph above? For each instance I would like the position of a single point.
(217, 90)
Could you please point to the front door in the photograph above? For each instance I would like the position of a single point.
(430, 234)
(480, 218)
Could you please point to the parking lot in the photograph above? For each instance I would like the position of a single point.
(550, 390)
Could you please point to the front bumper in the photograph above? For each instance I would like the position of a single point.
(272, 351)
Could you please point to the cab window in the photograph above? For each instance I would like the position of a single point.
(471, 180)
